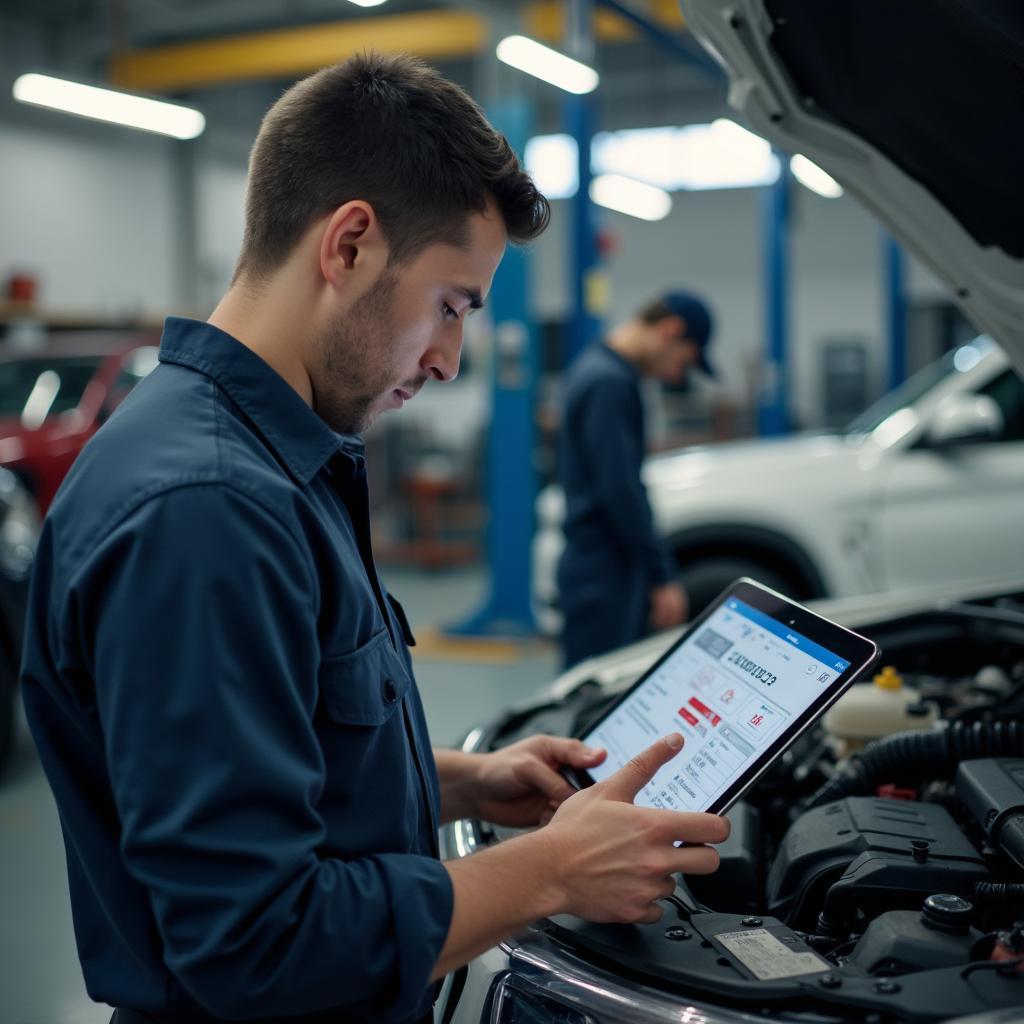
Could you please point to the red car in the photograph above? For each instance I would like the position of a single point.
(54, 398)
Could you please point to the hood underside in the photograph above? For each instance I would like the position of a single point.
(916, 107)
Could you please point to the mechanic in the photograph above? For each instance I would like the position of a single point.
(615, 580)
(217, 681)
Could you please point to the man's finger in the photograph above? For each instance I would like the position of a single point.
(547, 781)
(653, 915)
(689, 826)
(696, 860)
(637, 772)
(576, 753)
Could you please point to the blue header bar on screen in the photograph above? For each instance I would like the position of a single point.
(798, 640)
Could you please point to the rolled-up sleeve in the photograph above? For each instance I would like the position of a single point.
(199, 614)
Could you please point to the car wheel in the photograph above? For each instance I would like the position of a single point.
(706, 578)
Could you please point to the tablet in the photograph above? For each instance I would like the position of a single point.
(748, 676)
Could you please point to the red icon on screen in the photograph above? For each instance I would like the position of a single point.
(704, 710)
(729, 696)
(756, 720)
(688, 716)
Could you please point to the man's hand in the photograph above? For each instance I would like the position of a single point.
(612, 860)
(669, 606)
(520, 786)
(600, 858)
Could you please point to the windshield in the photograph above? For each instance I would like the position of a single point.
(960, 360)
(56, 383)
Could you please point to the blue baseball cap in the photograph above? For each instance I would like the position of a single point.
(699, 323)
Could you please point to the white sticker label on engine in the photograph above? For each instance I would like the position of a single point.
(767, 958)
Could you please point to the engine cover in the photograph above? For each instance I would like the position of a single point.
(738, 883)
(865, 855)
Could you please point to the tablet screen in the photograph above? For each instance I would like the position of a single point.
(731, 688)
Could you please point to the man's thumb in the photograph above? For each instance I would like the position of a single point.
(636, 773)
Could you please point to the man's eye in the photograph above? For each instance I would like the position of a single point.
(448, 311)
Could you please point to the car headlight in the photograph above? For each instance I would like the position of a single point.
(545, 984)
(515, 1002)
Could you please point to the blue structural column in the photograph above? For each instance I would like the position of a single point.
(773, 413)
(895, 309)
(580, 114)
(511, 484)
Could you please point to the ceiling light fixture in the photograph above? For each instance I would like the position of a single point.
(111, 106)
(811, 176)
(549, 65)
(366, 3)
(627, 195)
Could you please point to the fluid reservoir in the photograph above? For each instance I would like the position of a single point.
(870, 710)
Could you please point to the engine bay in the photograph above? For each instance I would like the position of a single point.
(865, 878)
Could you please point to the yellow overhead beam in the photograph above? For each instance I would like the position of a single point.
(547, 20)
(290, 53)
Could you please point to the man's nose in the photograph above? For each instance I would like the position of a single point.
(441, 360)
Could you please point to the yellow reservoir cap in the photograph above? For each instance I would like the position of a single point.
(889, 678)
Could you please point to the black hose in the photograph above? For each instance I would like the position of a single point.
(910, 758)
(999, 893)
(1008, 835)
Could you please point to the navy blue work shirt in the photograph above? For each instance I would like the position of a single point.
(602, 449)
(612, 555)
(223, 701)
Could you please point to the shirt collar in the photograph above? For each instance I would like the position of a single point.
(619, 358)
(301, 440)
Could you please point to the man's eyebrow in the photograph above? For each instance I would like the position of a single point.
(476, 300)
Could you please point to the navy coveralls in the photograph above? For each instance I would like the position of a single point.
(224, 705)
(612, 557)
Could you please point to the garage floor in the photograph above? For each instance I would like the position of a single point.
(40, 980)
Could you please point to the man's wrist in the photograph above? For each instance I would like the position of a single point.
(459, 775)
(539, 857)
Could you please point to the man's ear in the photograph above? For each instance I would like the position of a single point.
(352, 243)
(673, 327)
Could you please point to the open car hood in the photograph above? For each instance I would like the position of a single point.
(916, 107)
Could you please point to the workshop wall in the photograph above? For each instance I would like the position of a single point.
(91, 216)
(102, 230)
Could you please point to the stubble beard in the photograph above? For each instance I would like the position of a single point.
(356, 368)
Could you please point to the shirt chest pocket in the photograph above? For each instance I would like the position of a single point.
(365, 686)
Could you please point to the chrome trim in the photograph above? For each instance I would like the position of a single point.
(473, 740)
(464, 838)
(538, 967)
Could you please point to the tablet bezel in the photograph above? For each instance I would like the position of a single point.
(858, 650)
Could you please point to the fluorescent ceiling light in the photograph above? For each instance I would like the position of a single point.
(40, 400)
(811, 176)
(694, 157)
(627, 195)
(725, 155)
(541, 61)
(366, 3)
(108, 105)
(553, 163)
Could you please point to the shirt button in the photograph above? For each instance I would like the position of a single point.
(389, 691)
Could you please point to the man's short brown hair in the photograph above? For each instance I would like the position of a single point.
(391, 131)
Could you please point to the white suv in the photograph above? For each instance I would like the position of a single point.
(926, 487)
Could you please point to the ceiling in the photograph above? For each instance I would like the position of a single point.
(643, 83)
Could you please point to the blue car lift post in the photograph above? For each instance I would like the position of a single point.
(773, 413)
(895, 309)
(580, 116)
(511, 481)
